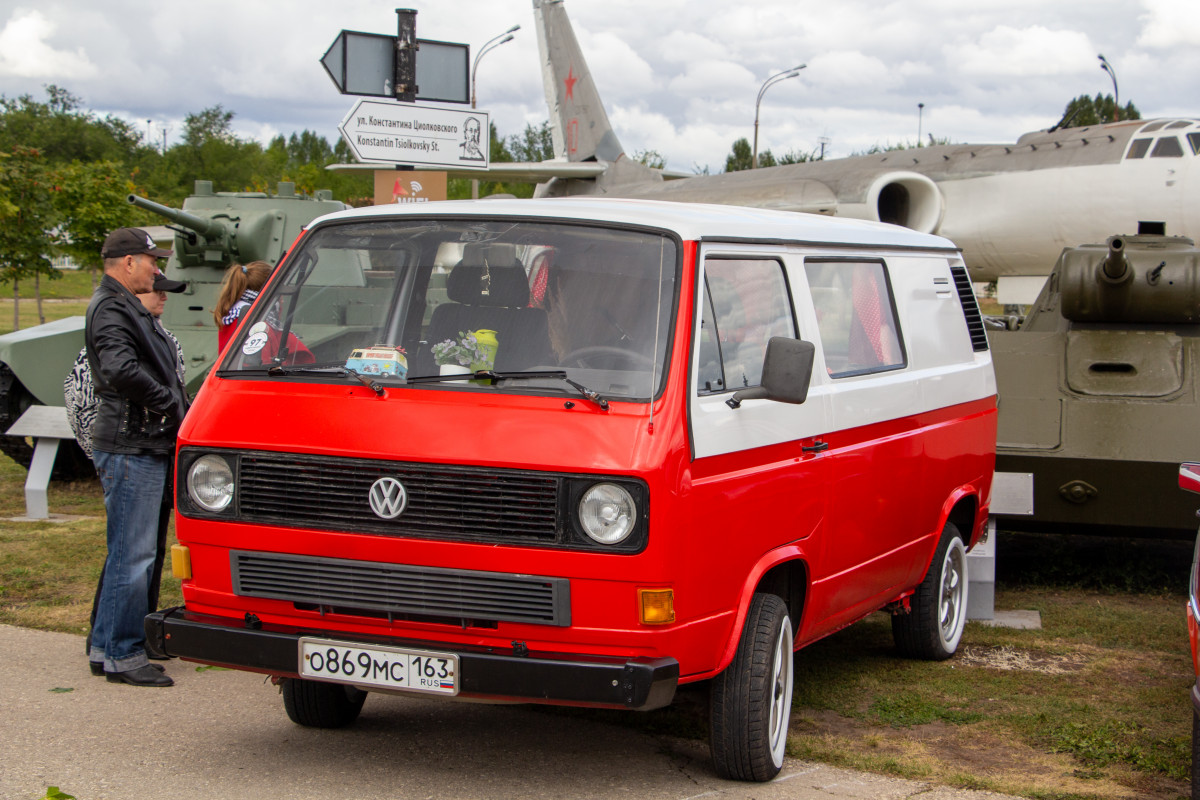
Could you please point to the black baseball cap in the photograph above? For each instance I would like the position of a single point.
(131, 242)
(164, 284)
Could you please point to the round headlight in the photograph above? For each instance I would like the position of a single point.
(210, 483)
(607, 513)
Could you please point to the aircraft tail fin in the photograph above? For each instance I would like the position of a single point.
(580, 128)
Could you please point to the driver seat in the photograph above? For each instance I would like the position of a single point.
(488, 290)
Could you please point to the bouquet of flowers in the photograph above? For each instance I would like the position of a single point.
(463, 351)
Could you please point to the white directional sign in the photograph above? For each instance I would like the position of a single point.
(403, 133)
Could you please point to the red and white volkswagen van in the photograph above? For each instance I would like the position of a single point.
(638, 444)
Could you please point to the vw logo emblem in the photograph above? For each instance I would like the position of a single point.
(388, 498)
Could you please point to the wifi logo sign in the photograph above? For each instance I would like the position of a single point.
(416, 187)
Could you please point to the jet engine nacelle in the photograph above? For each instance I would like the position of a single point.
(900, 198)
(909, 199)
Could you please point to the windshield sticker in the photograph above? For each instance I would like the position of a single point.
(254, 342)
(258, 327)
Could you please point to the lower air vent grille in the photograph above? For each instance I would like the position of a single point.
(403, 590)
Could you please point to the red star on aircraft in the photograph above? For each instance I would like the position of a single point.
(570, 82)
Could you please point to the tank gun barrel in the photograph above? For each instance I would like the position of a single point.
(209, 228)
(1115, 265)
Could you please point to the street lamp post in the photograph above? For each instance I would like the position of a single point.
(489, 45)
(769, 82)
(920, 111)
(1107, 67)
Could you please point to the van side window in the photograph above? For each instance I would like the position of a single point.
(856, 317)
(745, 304)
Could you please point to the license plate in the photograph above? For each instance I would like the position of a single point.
(390, 667)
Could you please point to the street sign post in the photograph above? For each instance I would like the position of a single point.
(402, 133)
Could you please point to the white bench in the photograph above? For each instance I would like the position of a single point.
(48, 426)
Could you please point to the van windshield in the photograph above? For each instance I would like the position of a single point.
(400, 299)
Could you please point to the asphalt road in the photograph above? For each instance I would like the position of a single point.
(220, 735)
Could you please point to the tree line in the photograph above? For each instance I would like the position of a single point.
(65, 172)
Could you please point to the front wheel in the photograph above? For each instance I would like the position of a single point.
(939, 605)
(315, 704)
(752, 699)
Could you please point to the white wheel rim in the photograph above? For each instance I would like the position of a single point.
(781, 692)
(952, 595)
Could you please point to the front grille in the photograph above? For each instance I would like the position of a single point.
(495, 506)
(445, 594)
(970, 308)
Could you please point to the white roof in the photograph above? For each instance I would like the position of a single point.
(688, 220)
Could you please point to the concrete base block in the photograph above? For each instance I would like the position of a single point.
(981, 600)
(1021, 620)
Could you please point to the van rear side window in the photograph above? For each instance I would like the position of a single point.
(856, 316)
(745, 304)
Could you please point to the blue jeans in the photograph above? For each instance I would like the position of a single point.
(133, 491)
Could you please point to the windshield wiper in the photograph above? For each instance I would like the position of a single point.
(327, 369)
(492, 377)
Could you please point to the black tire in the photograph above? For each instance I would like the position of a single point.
(751, 701)
(70, 464)
(939, 605)
(315, 704)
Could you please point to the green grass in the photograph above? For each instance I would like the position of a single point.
(1094, 705)
(63, 284)
(65, 297)
(48, 570)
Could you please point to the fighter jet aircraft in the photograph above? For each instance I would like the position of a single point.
(1012, 208)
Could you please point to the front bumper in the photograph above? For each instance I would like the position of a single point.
(559, 679)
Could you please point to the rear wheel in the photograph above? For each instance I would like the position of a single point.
(939, 605)
(752, 699)
(315, 704)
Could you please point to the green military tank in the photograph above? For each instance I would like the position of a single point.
(212, 231)
(1098, 391)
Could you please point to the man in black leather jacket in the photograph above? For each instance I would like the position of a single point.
(142, 403)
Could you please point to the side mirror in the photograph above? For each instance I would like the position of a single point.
(786, 375)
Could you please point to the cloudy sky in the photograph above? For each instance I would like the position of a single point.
(677, 76)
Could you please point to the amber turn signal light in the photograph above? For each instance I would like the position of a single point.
(657, 606)
(181, 561)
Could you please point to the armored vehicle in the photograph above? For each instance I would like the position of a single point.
(212, 231)
(1098, 391)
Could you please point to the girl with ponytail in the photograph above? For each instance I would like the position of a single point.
(238, 291)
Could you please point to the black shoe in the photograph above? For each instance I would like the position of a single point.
(97, 667)
(145, 675)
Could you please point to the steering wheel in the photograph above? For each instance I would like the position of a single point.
(597, 356)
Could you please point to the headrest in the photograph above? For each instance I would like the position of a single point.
(474, 255)
(504, 281)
